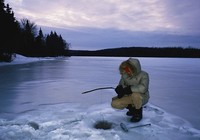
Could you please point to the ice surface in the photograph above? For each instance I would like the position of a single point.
(71, 121)
(47, 92)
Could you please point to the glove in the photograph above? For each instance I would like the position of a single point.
(120, 91)
(127, 90)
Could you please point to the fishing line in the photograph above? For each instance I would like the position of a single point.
(101, 101)
(102, 124)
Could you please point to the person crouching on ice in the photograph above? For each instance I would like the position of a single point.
(132, 91)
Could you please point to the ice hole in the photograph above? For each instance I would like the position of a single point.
(103, 125)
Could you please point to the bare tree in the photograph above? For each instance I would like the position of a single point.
(29, 27)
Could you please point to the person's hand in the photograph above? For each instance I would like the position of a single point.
(120, 91)
(120, 95)
(127, 90)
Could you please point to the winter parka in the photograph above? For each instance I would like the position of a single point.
(139, 81)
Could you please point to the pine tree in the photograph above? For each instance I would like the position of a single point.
(9, 28)
(39, 40)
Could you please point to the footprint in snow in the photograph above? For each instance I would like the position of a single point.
(156, 110)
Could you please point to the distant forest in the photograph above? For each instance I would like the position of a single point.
(141, 52)
(23, 37)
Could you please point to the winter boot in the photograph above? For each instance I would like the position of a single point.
(131, 110)
(137, 116)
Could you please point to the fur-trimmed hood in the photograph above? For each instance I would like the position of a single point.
(135, 63)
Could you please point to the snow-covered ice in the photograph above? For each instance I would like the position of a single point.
(71, 121)
(48, 92)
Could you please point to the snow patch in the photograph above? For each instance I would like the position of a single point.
(71, 121)
(20, 59)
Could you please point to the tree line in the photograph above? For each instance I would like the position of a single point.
(142, 52)
(23, 37)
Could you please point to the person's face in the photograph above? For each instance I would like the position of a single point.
(128, 71)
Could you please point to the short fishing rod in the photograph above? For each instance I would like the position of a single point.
(101, 88)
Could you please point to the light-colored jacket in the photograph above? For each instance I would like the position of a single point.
(139, 81)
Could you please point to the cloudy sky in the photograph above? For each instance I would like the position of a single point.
(94, 24)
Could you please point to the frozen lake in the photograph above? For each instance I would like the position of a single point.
(25, 88)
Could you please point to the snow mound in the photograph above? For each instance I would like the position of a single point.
(20, 59)
(73, 122)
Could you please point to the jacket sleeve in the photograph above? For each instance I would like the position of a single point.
(143, 85)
